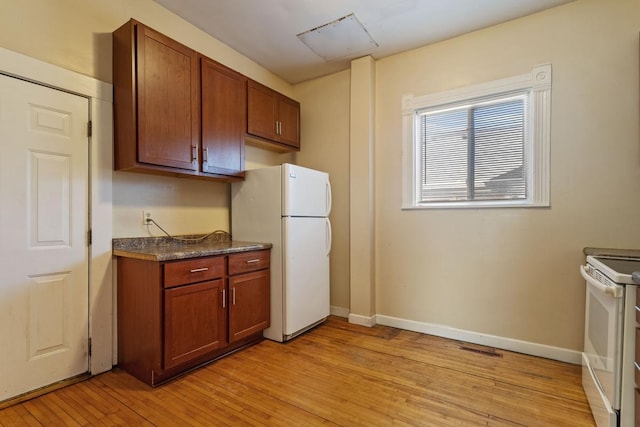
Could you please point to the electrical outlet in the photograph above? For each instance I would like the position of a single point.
(146, 217)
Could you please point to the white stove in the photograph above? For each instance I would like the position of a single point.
(610, 336)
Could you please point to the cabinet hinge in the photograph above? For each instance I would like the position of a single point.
(89, 237)
(89, 128)
(89, 344)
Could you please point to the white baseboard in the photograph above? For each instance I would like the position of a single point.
(357, 319)
(541, 350)
(339, 311)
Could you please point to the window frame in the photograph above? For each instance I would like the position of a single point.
(537, 149)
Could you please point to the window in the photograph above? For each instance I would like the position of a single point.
(483, 146)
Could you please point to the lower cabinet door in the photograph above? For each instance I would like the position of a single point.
(195, 321)
(248, 304)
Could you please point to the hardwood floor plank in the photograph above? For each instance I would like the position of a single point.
(56, 403)
(17, 416)
(101, 404)
(45, 415)
(337, 374)
(380, 398)
(152, 405)
(262, 407)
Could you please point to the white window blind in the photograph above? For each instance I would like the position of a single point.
(474, 151)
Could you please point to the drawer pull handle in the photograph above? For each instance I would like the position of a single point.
(251, 261)
(198, 270)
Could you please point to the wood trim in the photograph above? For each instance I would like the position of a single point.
(43, 390)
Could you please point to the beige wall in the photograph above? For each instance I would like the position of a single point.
(514, 272)
(507, 272)
(76, 35)
(325, 133)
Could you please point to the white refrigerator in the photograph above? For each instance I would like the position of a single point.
(288, 206)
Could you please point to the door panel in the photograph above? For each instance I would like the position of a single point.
(43, 224)
(49, 297)
(48, 199)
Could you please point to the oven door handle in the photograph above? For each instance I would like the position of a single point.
(614, 291)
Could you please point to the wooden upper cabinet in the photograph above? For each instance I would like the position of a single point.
(156, 101)
(273, 116)
(224, 117)
(175, 111)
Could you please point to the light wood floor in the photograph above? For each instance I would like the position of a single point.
(336, 374)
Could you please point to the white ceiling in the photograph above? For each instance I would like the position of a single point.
(265, 30)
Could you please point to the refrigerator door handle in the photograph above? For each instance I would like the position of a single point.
(329, 198)
(329, 238)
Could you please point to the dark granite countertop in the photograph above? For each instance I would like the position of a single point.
(627, 253)
(181, 247)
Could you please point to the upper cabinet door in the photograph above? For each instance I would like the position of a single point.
(262, 110)
(168, 101)
(289, 118)
(224, 118)
(273, 116)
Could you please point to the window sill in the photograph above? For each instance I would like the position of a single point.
(477, 205)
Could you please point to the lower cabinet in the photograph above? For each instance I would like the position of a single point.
(177, 315)
(249, 306)
(195, 322)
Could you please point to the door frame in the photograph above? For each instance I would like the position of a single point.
(100, 96)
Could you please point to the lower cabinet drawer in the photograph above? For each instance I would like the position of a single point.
(248, 261)
(193, 270)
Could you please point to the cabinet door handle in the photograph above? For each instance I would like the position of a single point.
(198, 270)
(224, 298)
(279, 127)
(233, 295)
(205, 155)
(251, 261)
(194, 153)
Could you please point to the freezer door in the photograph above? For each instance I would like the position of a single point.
(307, 243)
(306, 192)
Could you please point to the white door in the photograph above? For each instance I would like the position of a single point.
(43, 228)
(307, 192)
(307, 243)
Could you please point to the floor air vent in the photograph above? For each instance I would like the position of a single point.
(481, 349)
